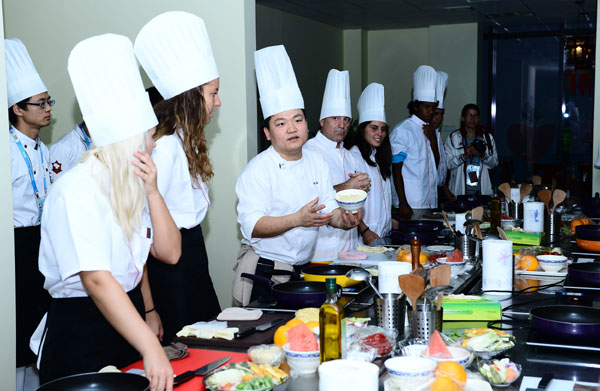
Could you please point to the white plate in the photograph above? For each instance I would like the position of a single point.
(439, 249)
(541, 273)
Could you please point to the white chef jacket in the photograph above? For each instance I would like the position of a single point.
(377, 211)
(454, 150)
(419, 172)
(80, 233)
(187, 202)
(273, 186)
(25, 209)
(341, 162)
(66, 152)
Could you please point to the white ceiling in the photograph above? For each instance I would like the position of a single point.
(397, 14)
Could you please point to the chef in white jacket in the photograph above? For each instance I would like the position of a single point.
(66, 152)
(373, 151)
(335, 118)
(284, 193)
(416, 167)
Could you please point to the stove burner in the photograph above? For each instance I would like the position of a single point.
(537, 339)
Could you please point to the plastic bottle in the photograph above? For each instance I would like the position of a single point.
(331, 324)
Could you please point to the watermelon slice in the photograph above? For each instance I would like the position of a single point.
(301, 339)
(456, 256)
(437, 348)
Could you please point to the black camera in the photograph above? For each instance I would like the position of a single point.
(479, 145)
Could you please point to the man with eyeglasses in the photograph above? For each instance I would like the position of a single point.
(335, 118)
(29, 108)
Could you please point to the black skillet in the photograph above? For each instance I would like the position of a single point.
(295, 294)
(107, 381)
(567, 322)
(587, 274)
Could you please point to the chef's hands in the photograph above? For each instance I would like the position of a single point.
(358, 180)
(369, 237)
(153, 321)
(405, 211)
(158, 368)
(309, 216)
(429, 131)
(145, 169)
(345, 220)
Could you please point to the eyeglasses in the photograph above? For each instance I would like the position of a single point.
(43, 104)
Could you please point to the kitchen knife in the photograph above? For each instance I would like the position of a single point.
(179, 379)
(262, 327)
(544, 382)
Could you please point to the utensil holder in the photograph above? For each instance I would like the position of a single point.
(424, 321)
(515, 210)
(552, 227)
(390, 312)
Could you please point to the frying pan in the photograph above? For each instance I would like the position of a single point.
(591, 206)
(420, 225)
(478, 199)
(588, 237)
(404, 237)
(460, 206)
(320, 273)
(568, 322)
(295, 294)
(587, 274)
(106, 381)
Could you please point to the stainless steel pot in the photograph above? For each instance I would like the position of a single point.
(470, 246)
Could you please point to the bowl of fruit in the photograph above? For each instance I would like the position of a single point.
(499, 373)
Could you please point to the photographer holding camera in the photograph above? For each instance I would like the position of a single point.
(470, 154)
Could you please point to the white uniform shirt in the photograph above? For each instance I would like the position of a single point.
(187, 202)
(66, 152)
(377, 211)
(25, 209)
(341, 163)
(419, 172)
(80, 233)
(272, 186)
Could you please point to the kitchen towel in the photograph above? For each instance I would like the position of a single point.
(533, 216)
(388, 275)
(348, 375)
(497, 266)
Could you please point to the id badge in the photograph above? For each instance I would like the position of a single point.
(473, 174)
(40, 205)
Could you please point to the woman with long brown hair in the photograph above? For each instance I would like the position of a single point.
(175, 52)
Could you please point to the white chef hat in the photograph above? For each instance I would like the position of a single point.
(440, 87)
(22, 79)
(175, 52)
(371, 104)
(424, 81)
(109, 89)
(336, 98)
(277, 85)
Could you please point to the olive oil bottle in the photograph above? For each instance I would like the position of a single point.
(331, 328)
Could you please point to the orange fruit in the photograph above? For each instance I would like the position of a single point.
(312, 324)
(294, 322)
(443, 384)
(526, 262)
(401, 254)
(582, 221)
(452, 370)
(408, 257)
(280, 337)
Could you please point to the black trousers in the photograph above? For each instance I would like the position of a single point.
(79, 339)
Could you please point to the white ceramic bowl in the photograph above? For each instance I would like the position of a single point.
(351, 200)
(303, 363)
(552, 263)
(459, 355)
(444, 261)
(411, 369)
(509, 223)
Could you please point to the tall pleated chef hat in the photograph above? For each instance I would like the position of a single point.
(336, 98)
(277, 85)
(424, 81)
(440, 88)
(175, 52)
(22, 79)
(371, 104)
(109, 89)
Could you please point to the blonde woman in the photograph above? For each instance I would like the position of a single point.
(102, 219)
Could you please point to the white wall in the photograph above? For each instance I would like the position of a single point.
(51, 29)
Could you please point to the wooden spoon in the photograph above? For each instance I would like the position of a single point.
(445, 216)
(557, 198)
(505, 189)
(525, 191)
(544, 196)
(502, 234)
(477, 215)
(412, 286)
(536, 180)
(440, 276)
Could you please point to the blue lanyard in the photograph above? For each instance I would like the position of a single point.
(39, 200)
(86, 139)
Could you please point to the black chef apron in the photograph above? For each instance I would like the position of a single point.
(183, 293)
(79, 339)
(31, 298)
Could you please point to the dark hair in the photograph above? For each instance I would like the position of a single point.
(383, 154)
(412, 107)
(469, 106)
(12, 117)
(268, 119)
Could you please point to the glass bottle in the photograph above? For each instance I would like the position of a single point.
(495, 215)
(331, 330)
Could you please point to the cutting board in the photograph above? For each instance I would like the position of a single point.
(196, 359)
(256, 338)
